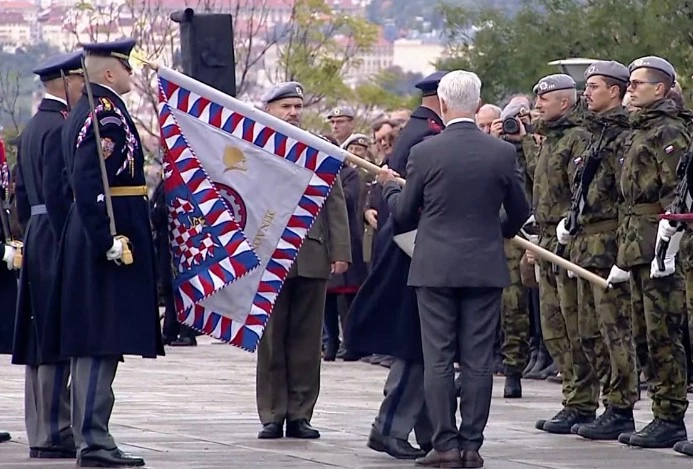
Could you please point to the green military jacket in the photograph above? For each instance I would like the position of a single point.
(648, 178)
(564, 142)
(327, 240)
(595, 243)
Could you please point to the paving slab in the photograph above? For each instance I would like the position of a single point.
(195, 409)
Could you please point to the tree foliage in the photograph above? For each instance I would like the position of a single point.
(510, 54)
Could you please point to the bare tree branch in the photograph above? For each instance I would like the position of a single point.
(9, 95)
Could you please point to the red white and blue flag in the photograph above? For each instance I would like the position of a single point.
(271, 180)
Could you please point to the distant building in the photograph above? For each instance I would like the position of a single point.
(417, 55)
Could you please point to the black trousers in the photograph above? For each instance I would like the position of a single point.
(172, 328)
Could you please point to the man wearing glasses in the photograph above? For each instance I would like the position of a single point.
(648, 184)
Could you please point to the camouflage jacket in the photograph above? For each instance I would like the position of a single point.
(595, 244)
(527, 159)
(648, 178)
(564, 142)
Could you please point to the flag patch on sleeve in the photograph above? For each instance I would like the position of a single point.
(669, 149)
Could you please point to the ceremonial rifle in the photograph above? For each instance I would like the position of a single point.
(127, 254)
(581, 185)
(680, 205)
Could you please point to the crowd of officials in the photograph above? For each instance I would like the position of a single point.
(599, 168)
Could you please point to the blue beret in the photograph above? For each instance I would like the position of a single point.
(120, 49)
(556, 82)
(70, 63)
(290, 89)
(608, 68)
(341, 111)
(655, 63)
(429, 85)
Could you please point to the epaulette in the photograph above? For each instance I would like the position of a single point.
(434, 126)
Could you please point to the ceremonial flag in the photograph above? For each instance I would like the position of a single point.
(273, 178)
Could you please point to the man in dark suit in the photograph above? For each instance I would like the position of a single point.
(385, 318)
(457, 183)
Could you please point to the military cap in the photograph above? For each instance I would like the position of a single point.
(357, 139)
(120, 49)
(342, 111)
(655, 63)
(608, 68)
(429, 85)
(68, 64)
(556, 82)
(290, 89)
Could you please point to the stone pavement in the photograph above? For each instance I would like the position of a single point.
(195, 409)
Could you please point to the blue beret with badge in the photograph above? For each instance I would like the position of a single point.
(429, 84)
(59, 65)
(119, 49)
(556, 82)
(290, 89)
(654, 63)
(342, 111)
(608, 68)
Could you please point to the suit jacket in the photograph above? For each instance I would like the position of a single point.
(327, 240)
(457, 183)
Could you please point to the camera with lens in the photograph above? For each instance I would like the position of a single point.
(511, 116)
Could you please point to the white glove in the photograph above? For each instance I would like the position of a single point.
(665, 230)
(617, 275)
(562, 233)
(116, 251)
(571, 274)
(8, 256)
(669, 257)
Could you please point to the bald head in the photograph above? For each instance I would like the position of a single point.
(108, 71)
(486, 115)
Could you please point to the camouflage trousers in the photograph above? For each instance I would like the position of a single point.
(606, 335)
(560, 330)
(658, 313)
(689, 303)
(515, 327)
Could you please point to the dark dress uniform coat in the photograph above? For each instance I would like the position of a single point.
(8, 300)
(384, 317)
(40, 164)
(351, 280)
(107, 309)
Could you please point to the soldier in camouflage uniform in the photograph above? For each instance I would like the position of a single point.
(515, 302)
(564, 142)
(604, 315)
(648, 185)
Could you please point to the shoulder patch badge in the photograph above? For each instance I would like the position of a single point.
(669, 149)
(107, 146)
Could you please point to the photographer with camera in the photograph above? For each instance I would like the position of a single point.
(513, 125)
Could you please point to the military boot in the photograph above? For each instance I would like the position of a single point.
(660, 434)
(533, 351)
(609, 425)
(513, 386)
(543, 360)
(550, 371)
(539, 424)
(684, 447)
(561, 424)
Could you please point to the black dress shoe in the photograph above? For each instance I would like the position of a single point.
(472, 459)
(395, 447)
(184, 342)
(66, 452)
(301, 429)
(4, 436)
(271, 431)
(108, 458)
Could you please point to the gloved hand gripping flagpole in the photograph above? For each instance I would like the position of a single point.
(127, 254)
